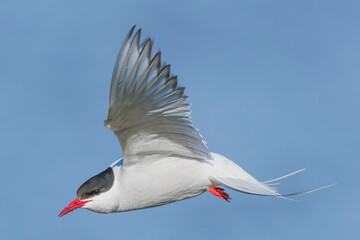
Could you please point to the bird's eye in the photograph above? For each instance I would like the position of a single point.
(93, 192)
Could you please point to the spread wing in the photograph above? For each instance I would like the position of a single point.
(148, 112)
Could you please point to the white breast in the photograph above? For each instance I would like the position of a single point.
(151, 183)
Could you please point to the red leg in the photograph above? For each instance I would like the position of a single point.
(219, 192)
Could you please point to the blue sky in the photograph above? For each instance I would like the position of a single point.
(274, 86)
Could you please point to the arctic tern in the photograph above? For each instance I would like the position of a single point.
(165, 159)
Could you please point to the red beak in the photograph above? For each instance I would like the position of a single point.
(72, 206)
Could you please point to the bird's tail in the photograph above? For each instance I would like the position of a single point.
(229, 174)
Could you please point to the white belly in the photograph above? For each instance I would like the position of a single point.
(155, 183)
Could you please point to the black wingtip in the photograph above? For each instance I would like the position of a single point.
(130, 32)
(133, 27)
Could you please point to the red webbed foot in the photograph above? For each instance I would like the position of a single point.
(219, 192)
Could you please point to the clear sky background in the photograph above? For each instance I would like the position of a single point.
(274, 86)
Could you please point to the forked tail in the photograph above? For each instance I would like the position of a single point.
(229, 174)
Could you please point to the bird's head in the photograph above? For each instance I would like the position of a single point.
(95, 194)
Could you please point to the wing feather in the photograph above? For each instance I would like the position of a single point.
(148, 111)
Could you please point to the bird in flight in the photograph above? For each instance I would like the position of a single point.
(165, 159)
